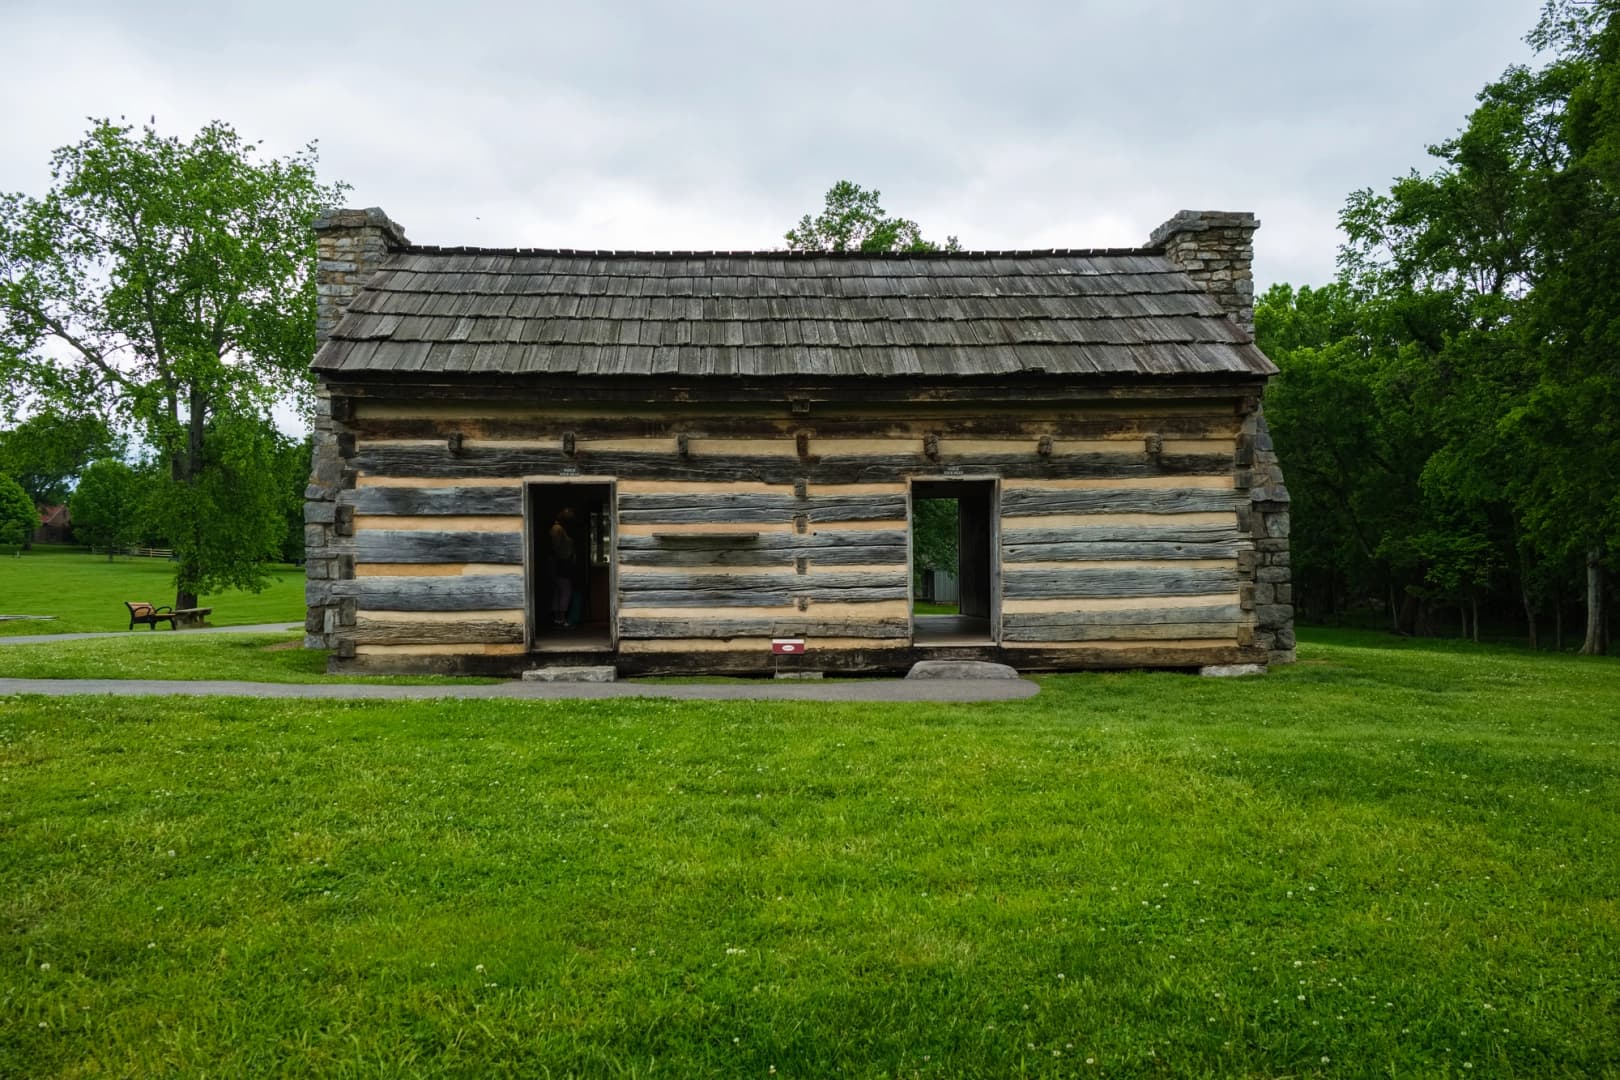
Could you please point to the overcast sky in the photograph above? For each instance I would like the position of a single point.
(715, 125)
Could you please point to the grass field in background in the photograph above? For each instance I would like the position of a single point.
(86, 592)
(1394, 858)
(277, 658)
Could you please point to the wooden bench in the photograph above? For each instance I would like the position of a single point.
(146, 613)
(178, 619)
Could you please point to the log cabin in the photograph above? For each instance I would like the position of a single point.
(684, 462)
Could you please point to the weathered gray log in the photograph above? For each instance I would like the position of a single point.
(470, 632)
(471, 592)
(1022, 502)
(711, 424)
(759, 597)
(1218, 613)
(386, 460)
(1125, 632)
(423, 546)
(504, 500)
(1224, 395)
(807, 627)
(757, 508)
(1064, 584)
(1106, 552)
(755, 557)
(756, 661)
(1168, 533)
(798, 584)
(850, 547)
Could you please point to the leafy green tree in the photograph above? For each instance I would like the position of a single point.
(18, 517)
(46, 452)
(106, 506)
(292, 458)
(934, 534)
(173, 282)
(1514, 240)
(853, 219)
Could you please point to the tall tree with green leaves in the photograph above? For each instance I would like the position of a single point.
(106, 506)
(1515, 240)
(46, 452)
(170, 282)
(853, 219)
(18, 517)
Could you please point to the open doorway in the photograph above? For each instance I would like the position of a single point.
(953, 551)
(570, 565)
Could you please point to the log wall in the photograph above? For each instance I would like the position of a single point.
(1127, 528)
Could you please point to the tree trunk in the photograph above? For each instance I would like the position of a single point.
(185, 469)
(1473, 602)
(1596, 643)
(1558, 623)
(1410, 615)
(1529, 615)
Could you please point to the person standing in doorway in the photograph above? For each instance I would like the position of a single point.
(564, 565)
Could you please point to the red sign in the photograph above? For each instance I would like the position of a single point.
(787, 645)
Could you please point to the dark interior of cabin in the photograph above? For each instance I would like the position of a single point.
(974, 574)
(571, 533)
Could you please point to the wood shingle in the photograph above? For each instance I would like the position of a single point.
(522, 312)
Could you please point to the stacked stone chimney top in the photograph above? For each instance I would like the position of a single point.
(349, 246)
(372, 217)
(1216, 249)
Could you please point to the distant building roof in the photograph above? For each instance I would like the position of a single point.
(1110, 313)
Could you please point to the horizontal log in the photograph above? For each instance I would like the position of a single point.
(751, 556)
(754, 508)
(1214, 613)
(468, 421)
(1130, 632)
(420, 546)
(1170, 532)
(470, 631)
(1107, 551)
(480, 592)
(1027, 502)
(786, 591)
(406, 501)
(631, 627)
(417, 460)
(799, 584)
(854, 547)
(1030, 584)
(657, 391)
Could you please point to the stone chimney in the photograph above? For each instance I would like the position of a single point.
(349, 245)
(1216, 249)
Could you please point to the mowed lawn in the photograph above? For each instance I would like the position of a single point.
(1393, 859)
(86, 593)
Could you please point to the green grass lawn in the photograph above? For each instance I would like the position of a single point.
(928, 607)
(86, 592)
(276, 658)
(1394, 858)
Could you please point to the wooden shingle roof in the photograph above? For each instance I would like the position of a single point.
(1114, 312)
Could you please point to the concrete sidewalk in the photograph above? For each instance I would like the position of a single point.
(962, 690)
(259, 628)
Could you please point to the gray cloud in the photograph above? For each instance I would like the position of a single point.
(718, 124)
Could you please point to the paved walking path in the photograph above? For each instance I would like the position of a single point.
(258, 628)
(764, 690)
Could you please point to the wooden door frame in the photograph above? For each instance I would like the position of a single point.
(975, 479)
(529, 540)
